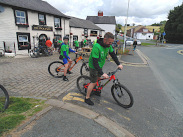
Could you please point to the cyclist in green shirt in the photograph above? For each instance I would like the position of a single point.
(97, 60)
(64, 55)
(85, 42)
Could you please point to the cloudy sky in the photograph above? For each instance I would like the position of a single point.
(141, 12)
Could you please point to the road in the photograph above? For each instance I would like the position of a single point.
(157, 104)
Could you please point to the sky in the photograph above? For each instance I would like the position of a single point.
(141, 12)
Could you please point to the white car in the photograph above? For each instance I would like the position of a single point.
(130, 42)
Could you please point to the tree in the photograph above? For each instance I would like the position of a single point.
(174, 25)
(118, 27)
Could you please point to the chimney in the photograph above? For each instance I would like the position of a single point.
(100, 13)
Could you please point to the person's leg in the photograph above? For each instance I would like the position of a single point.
(65, 69)
(69, 65)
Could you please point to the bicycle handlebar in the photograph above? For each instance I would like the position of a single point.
(112, 73)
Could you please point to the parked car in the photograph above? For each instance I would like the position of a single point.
(130, 42)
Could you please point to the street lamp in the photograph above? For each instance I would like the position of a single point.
(124, 45)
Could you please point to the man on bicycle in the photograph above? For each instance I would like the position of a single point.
(97, 60)
(66, 59)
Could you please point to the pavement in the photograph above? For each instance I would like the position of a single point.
(29, 77)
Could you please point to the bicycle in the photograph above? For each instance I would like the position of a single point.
(37, 51)
(4, 99)
(118, 90)
(56, 68)
(2, 52)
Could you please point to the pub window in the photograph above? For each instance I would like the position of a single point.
(42, 19)
(85, 32)
(23, 38)
(93, 33)
(57, 23)
(20, 17)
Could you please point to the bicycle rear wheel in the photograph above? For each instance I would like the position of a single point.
(82, 83)
(85, 69)
(56, 69)
(34, 53)
(122, 95)
(4, 99)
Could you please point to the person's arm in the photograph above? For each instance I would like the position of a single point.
(65, 54)
(70, 50)
(114, 57)
(96, 65)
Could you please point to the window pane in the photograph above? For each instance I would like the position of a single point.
(18, 20)
(22, 14)
(17, 13)
(41, 16)
(57, 20)
(22, 20)
(23, 38)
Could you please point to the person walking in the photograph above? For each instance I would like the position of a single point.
(97, 60)
(76, 46)
(134, 45)
(55, 43)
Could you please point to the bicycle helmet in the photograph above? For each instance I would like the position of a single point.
(66, 37)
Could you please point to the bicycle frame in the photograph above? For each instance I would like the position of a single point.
(102, 86)
(75, 62)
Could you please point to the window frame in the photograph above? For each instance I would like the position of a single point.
(40, 20)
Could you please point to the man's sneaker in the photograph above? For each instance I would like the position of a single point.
(65, 78)
(69, 72)
(97, 93)
(89, 102)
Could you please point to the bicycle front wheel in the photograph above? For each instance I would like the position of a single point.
(4, 99)
(122, 95)
(85, 69)
(56, 69)
(83, 83)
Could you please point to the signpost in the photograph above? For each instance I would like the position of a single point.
(163, 37)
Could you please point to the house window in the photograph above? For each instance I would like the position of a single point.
(86, 32)
(20, 17)
(42, 19)
(23, 40)
(93, 33)
(57, 23)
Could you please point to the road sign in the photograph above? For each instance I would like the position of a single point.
(164, 33)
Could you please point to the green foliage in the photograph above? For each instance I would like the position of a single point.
(118, 27)
(174, 25)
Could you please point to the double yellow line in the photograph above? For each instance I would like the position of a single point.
(180, 52)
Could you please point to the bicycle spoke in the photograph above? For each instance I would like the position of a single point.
(56, 69)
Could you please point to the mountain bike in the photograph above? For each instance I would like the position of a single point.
(56, 68)
(4, 99)
(40, 50)
(120, 93)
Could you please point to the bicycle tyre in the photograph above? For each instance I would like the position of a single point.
(86, 80)
(4, 99)
(34, 53)
(125, 90)
(55, 73)
(85, 69)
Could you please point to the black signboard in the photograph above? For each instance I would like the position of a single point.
(43, 28)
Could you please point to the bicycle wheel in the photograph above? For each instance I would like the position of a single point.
(82, 83)
(85, 69)
(122, 95)
(4, 99)
(56, 69)
(34, 53)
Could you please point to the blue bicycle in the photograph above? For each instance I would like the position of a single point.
(40, 50)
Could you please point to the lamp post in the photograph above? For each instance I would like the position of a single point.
(124, 45)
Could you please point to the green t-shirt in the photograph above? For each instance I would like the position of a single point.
(99, 52)
(84, 42)
(95, 41)
(76, 43)
(64, 48)
(60, 42)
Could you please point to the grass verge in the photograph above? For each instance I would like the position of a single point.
(147, 44)
(19, 109)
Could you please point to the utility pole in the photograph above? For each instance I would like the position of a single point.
(124, 45)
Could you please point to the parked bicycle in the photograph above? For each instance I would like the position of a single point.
(56, 68)
(4, 99)
(119, 92)
(40, 50)
(2, 52)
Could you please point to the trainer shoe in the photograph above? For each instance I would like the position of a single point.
(89, 102)
(65, 78)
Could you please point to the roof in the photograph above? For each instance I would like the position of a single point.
(81, 23)
(34, 5)
(141, 30)
(102, 19)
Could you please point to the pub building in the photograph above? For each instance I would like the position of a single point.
(24, 23)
